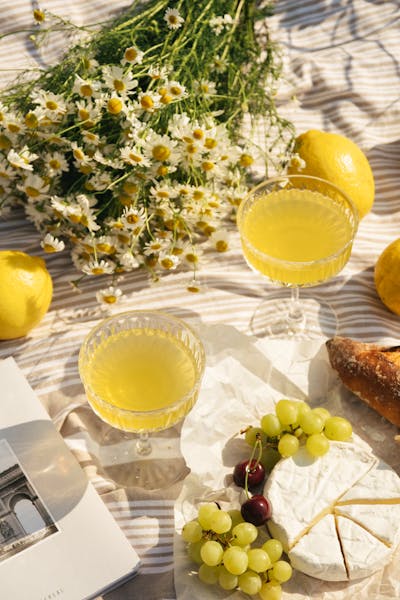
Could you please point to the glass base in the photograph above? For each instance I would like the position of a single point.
(270, 318)
(130, 460)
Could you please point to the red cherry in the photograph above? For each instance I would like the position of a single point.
(256, 473)
(256, 510)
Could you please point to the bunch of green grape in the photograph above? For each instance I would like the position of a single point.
(295, 423)
(223, 545)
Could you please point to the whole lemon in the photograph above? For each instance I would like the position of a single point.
(339, 160)
(387, 276)
(26, 292)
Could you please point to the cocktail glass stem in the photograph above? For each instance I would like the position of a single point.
(295, 316)
(143, 445)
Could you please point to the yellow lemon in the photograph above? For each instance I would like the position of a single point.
(387, 276)
(339, 160)
(26, 290)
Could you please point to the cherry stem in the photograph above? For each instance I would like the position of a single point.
(257, 447)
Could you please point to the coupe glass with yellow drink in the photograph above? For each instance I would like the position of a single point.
(297, 231)
(142, 372)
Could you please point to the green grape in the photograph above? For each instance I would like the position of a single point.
(271, 425)
(302, 408)
(192, 531)
(227, 580)
(208, 574)
(269, 458)
(250, 583)
(311, 423)
(211, 553)
(259, 560)
(236, 517)
(270, 590)
(235, 560)
(288, 445)
(287, 411)
(204, 514)
(317, 444)
(194, 551)
(273, 548)
(245, 533)
(220, 521)
(281, 571)
(322, 412)
(338, 429)
(251, 435)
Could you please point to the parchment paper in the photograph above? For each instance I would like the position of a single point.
(244, 378)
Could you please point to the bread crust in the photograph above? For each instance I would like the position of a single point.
(370, 371)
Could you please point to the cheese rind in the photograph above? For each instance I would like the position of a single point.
(318, 552)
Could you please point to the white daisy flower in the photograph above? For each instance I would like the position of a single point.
(220, 240)
(168, 261)
(34, 187)
(155, 246)
(173, 18)
(128, 261)
(96, 267)
(161, 148)
(86, 87)
(134, 156)
(51, 244)
(22, 159)
(205, 87)
(132, 56)
(149, 101)
(110, 295)
(56, 163)
(118, 81)
(133, 219)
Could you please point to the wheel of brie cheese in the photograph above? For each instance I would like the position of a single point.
(337, 516)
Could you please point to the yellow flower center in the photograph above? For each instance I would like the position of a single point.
(221, 246)
(193, 288)
(31, 120)
(86, 89)
(54, 163)
(85, 169)
(130, 54)
(191, 149)
(109, 299)
(210, 143)
(32, 192)
(51, 105)
(166, 98)
(167, 263)
(198, 194)
(132, 219)
(192, 258)
(147, 102)
(106, 248)
(119, 85)
(13, 127)
(114, 106)
(207, 165)
(161, 152)
(176, 90)
(198, 134)
(97, 271)
(130, 188)
(135, 157)
(162, 170)
(83, 114)
(78, 154)
(162, 194)
(48, 248)
(246, 160)
(38, 15)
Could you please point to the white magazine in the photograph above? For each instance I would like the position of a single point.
(57, 538)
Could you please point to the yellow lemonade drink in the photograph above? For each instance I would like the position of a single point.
(297, 236)
(134, 371)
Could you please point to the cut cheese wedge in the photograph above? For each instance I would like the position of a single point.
(338, 516)
(319, 554)
(364, 554)
(381, 519)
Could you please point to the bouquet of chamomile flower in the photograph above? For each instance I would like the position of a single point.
(129, 151)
